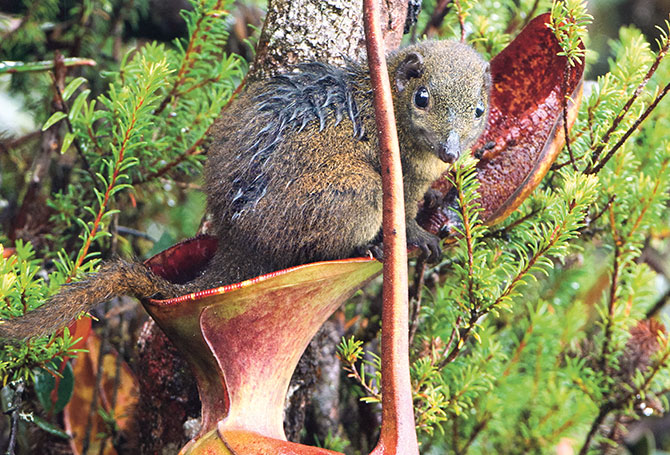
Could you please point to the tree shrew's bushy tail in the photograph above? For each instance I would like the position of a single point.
(115, 278)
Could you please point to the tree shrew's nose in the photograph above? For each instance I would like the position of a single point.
(450, 150)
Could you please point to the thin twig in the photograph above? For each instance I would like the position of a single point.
(557, 166)
(194, 149)
(125, 230)
(355, 375)
(436, 18)
(614, 283)
(49, 145)
(477, 313)
(187, 62)
(615, 123)
(659, 305)
(647, 200)
(564, 103)
(614, 429)
(108, 191)
(10, 144)
(630, 131)
(605, 208)
(621, 402)
(416, 297)
(516, 24)
(531, 14)
(59, 83)
(14, 415)
(604, 412)
(473, 435)
(116, 26)
(467, 232)
(450, 341)
(9, 67)
(501, 233)
(619, 243)
(461, 19)
(80, 28)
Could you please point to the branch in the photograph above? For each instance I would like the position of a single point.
(8, 67)
(194, 149)
(612, 294)
(477, 313)
(58, 77)
(564, 102)
(187, 62)
(14, 415)
(355, 375)
(621, 402)
(461, 18)
(630, 131)
(109, 190)
(436, 18)
(467, 233)
(598, 151)
(10, 144)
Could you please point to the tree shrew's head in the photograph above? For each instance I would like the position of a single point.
(441, 91)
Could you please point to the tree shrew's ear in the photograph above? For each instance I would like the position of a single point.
(410, 67)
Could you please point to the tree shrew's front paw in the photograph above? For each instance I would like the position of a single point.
(428, 243)
(432, 199)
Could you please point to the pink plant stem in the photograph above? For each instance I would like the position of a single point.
(398, 434)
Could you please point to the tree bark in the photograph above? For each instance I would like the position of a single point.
(320, 30)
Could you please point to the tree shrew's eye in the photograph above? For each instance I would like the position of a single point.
(421, 97)
(479, 110)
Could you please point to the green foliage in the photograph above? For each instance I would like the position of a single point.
(530, 333)
(488, 25)
(350, 353)
(45, 384)
(29, 29)
(569, 21)
(23, 289)
(332, 442)
(135, 126)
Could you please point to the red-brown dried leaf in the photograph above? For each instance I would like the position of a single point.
(76, 413)
(80, 330)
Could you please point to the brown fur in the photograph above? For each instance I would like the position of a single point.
(293, 173)
(114, 278)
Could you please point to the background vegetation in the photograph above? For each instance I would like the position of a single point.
(543, 334)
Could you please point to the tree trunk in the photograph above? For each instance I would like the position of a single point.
(320, 30)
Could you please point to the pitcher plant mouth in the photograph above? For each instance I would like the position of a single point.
(163, 264)
(243, 340)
